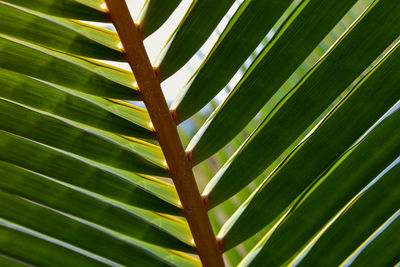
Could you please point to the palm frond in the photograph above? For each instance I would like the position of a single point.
(299, 161)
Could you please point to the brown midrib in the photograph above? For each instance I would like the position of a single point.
(180, 169)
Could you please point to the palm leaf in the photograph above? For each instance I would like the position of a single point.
(299, 162)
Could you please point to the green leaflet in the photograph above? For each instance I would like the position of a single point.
(303, 30)
(164, 255)
(121, 108)
(98, 182)
(244, 32)
(76, 73)
(173, 257)
(348, 176)
(200, 21)
(53, 132)
(319, 88)
(36, 249)
(387, 237)
(89, 175)
(148, 151)
(155, 14)
(78, 9)
(11, 262)
(140, 224)
(62, 34)
(51, 99)
(360, 220)
(144, 149)
(349, 121)
(84, 236)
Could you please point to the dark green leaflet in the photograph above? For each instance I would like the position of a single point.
(348, 122)
(296, 39)
(350, 174)
(242, 35)
(192, 33)
(325, 82)
(351, 229)
(156, 14)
